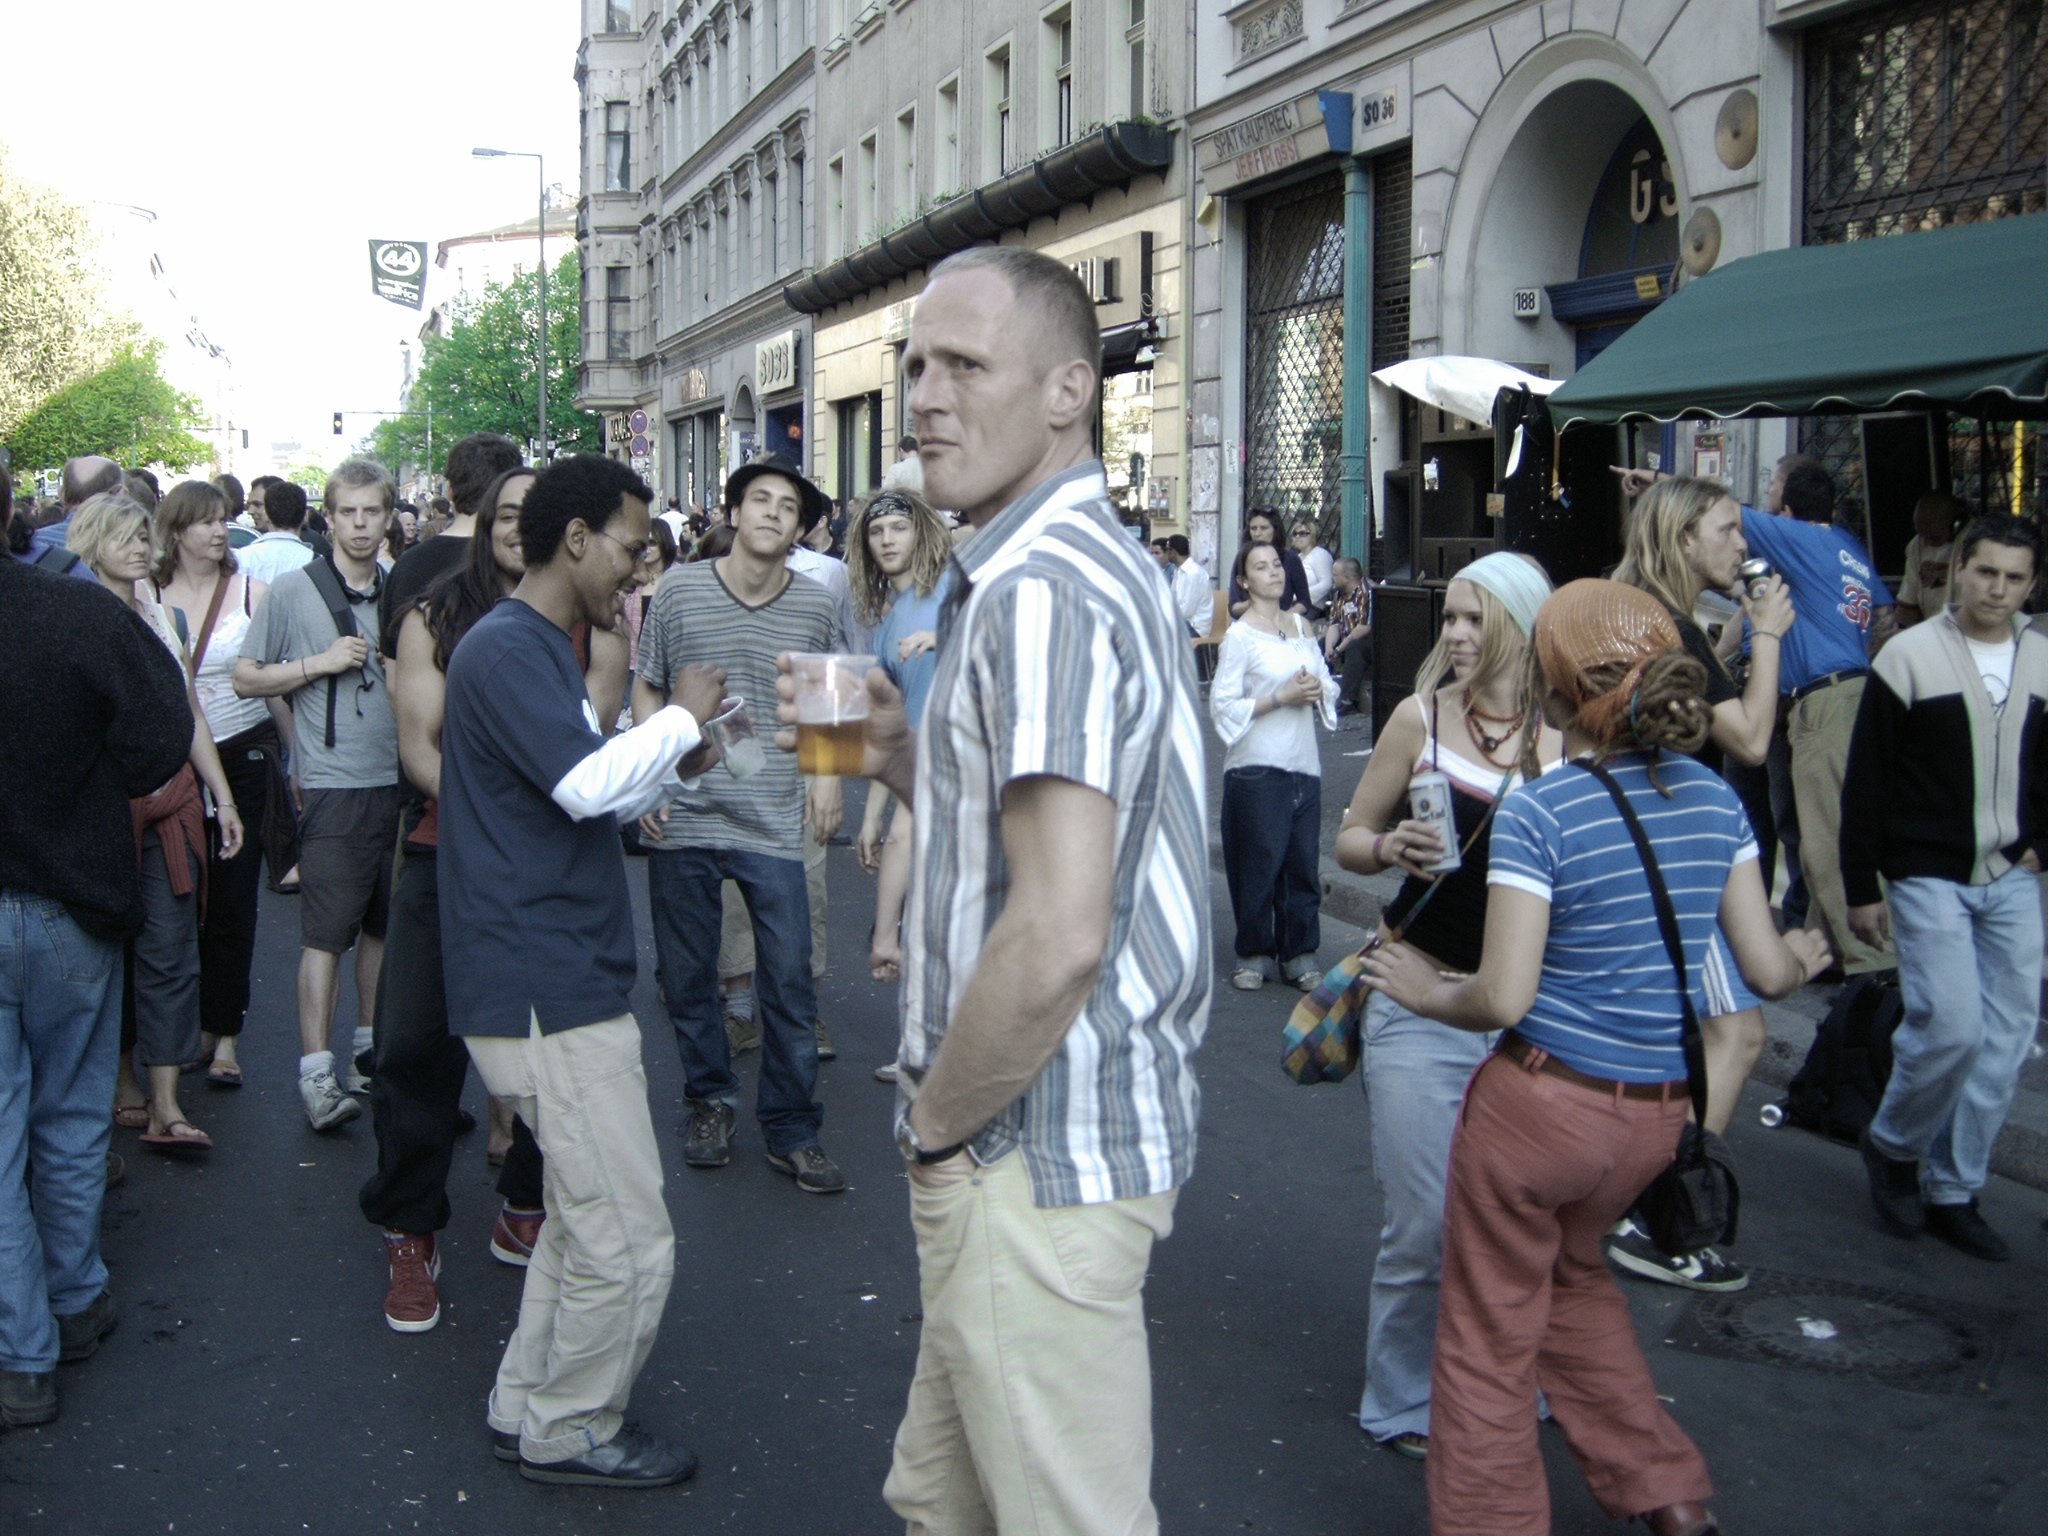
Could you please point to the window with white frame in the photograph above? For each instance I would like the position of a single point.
(771, 213)
(618, 314)
(797, 234)
(835, 207)
(998, 146)
(743, 73)
(1056, 52)
(903, 188)
(743, 240)
(618, 146)
(618, 16)
(946, 137)
(866, 205)
(1134, 57)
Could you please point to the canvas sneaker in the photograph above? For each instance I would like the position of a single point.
(327, 1107)
(707, 1138)
(512, 1239)
(741, 1035)
(814, 1172)
(827, 1051)
(413, 1304)
(1629, 1247)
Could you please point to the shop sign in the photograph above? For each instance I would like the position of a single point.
(896, 320)
(618, 429)
(1276, 138)
(775, 364)
(1384, 113)
(681, 389)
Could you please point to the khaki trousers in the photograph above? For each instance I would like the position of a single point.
(736, 931)
(600, 1272)
(1031, 1410)
(1817, 735)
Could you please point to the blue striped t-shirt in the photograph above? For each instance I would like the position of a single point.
(1607, 1002)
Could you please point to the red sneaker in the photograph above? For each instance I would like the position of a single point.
(413, 1304)
(512, 1239)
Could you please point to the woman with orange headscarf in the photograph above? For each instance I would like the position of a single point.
(1583, 1103)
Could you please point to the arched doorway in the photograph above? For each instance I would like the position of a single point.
(743, 438)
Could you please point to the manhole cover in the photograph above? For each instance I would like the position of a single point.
(1841, 1328)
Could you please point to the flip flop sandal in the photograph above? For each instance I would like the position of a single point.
(225, 1074)
(170, 1141)
(132, 1117)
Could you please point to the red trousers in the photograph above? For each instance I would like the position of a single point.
(1541, 1169)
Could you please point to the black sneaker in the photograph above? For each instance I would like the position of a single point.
(814, 1172)
(26, 1398)
(630, 1459)
(1963, 1226)
(1629, 1247)
(707, 1139)
(79, 1334)
(505, 1444)
(1894, 1188)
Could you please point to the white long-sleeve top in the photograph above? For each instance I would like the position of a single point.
(633, 771)
(1251, 664)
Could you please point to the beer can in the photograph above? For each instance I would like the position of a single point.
(1753, 573)
(1429, 802)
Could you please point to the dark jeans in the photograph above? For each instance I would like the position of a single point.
(683, 889)
(1272, 820)
(160, 1004)
(1354, 669)
(416, 1090)
(1785, 822)
(227, 929)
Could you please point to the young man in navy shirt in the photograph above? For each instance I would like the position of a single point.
(538, 954)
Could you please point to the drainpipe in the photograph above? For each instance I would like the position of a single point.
(1354, 456)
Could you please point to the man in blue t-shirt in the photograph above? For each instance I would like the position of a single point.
(1825, 658)
(537, 948)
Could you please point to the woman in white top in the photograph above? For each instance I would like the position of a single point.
(209, 602)
(111, 534)
(1270, 687)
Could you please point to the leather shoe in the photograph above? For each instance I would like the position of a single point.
(630, 1459)
(1963, 1226)
(27, 1397)
(504, 1445)
(1682, 1520)
(79, 1334)
(1894, 1188)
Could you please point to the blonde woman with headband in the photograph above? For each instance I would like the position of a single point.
(1685, 538)
(1468, 721)
(1583, 1102)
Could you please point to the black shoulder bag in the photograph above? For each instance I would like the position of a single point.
(1697, 1201)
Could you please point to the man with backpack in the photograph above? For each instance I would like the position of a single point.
(1946, 798)
(314, 641)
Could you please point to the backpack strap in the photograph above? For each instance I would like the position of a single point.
(1674, 945)
(56, 558)
(327, 582)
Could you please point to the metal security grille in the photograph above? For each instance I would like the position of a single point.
(1919, 116)
(1393, 188)
(1294, 350)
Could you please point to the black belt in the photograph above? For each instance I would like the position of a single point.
(1827, 682)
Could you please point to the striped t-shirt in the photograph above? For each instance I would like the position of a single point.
(696, 620)
(1607, 1002)
(1065, 659)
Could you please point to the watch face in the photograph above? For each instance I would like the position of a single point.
(906, 1140)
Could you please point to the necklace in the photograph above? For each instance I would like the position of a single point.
(1488, 743)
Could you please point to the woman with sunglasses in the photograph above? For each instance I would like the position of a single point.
(1466, 720)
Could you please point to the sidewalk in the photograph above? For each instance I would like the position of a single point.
(2021, 1152)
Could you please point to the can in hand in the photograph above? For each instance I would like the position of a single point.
(1753, 573)
(1429, 802)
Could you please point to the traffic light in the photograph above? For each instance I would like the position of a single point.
(337, 423)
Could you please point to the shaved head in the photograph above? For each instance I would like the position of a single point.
(87, 477)
(1051, 307)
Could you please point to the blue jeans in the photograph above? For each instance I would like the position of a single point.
(60, 1031)
(1970, 973)
(683, 889)
(1272, 820)
(1415, 1075)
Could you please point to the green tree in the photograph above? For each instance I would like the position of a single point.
(54, 324)
(312, 475)
(127, 410)
(478, 376)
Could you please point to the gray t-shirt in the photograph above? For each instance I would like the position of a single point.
(696, 620)
(292, 624)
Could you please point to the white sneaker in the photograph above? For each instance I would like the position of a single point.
(327, 1107)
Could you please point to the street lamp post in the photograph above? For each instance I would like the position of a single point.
(540, 231)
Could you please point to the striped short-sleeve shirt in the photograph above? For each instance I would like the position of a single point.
(1066, 659)
(1607, 1001)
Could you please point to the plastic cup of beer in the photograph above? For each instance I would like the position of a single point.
(739, 746)
(831, 713)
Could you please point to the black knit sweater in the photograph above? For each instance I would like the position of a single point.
(93, 712)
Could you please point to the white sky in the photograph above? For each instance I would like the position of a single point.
(273, 141)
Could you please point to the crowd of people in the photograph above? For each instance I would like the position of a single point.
(443, 734)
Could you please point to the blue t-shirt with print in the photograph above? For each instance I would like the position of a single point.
(1835, 591)
(1607, 1002)
(911, 614)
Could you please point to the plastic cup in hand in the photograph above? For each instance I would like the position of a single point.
(831, 713)
(738, 745)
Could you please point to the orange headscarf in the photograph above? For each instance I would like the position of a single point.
(1587, 625)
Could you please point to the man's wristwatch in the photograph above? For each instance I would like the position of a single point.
(914, 1151)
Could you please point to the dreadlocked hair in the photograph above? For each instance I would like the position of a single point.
(1665, 709)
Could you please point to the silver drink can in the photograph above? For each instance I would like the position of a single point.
(1753, 573)
(1429, 802)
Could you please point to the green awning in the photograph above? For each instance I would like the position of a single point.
(1953, 319)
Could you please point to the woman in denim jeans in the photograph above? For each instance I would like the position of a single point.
(1466, 721)
(1270, 686)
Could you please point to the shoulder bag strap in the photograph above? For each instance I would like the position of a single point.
(1674, 945)
(220, 590)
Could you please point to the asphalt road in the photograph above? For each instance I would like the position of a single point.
(253, 1386)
